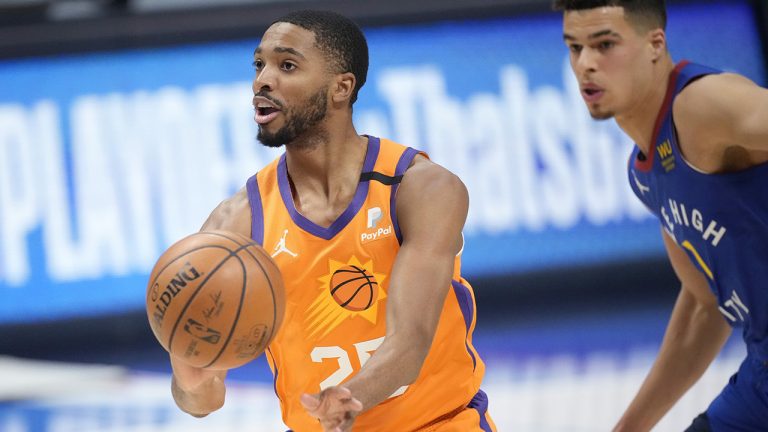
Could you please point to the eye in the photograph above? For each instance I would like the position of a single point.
(288, 66)
(604, 45)
(575, 49)
(258, 64)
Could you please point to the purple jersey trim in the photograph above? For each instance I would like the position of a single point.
(405, 161)
(467, 310)
(354, 206)
(277, 372)
(480, 404)
(257, 213)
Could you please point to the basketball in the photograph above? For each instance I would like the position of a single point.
(353, 288)
(215, 299)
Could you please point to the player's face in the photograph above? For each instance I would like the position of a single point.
(291, 84)
(609, 58)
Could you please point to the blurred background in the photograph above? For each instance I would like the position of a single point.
(124, 122)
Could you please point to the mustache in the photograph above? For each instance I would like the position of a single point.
(266, 95)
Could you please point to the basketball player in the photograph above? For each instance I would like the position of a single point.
(395, 353)
(700, 166)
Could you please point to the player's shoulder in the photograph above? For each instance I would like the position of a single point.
(706, 108)
(426, 177)
(707, 113)
(423, 176)
(431, 199)
(423, 168)
(237, 200)
(232, 214)
(708, 95)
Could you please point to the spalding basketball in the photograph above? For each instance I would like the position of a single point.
(215, 299)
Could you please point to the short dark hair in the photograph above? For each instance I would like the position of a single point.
(645, 14)
(339, 38)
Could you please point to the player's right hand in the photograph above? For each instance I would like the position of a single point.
(197, 391)
(334, 407)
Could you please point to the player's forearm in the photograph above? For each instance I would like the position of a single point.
(415, 301)
(412, 318)
(397, 362)
(206, 398)
(694, 336)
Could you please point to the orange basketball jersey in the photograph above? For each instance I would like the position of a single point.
(336, 281)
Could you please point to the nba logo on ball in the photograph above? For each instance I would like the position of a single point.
(215, 299)
(374, 215)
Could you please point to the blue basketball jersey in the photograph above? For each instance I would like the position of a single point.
(719, 220)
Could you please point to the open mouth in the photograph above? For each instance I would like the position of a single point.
(266, 111)
(591, 93)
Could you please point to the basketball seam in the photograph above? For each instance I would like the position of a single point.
(266, 277)
(219, 234)
(161, 270)
(200, 287)
(239, 308)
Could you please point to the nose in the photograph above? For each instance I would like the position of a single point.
(586, 61)
(264, 80)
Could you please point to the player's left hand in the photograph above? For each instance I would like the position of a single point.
(334, 407)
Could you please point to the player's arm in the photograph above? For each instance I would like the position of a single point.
(432, 206)
(199, 391)
(730, 108)
(695, 334)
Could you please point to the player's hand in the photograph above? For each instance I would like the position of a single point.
(334, 407)
(197, 391)
(190, 378)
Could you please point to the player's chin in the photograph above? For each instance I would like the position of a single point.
(268, 138)
(270, 126)
(600, 113)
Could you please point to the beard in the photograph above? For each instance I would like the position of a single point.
(602, 115)
(300, 120)
(598, 113)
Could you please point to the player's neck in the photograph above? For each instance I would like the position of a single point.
(332, 165)
(639, 121)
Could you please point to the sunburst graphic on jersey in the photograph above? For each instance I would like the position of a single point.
(349, 289)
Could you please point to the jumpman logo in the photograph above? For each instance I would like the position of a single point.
(280, 247)
(643, 188)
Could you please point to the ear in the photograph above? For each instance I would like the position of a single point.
(343, 87)
(657, 43)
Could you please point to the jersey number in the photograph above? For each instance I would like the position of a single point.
(345, 370)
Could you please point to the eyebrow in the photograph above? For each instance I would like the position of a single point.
(283, 50)
(595, 35)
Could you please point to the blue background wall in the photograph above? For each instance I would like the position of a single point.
(107, 158)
